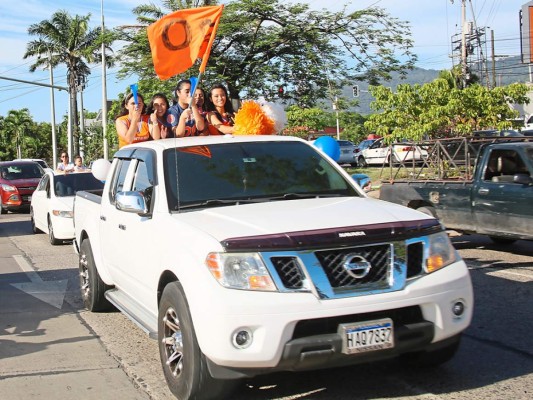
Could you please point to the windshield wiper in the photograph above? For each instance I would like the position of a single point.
(295, 196)
(216, 202)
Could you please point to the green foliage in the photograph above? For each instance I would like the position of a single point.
(312, 118)
(69, 41)
(261, 45)
(438, 109)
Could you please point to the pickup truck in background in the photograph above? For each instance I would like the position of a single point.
(497, 200)
(245, 255)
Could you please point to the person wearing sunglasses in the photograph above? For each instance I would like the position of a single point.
(64, 166)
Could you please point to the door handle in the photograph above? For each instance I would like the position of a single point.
(103, 218)
(483, 191)
(122, 226)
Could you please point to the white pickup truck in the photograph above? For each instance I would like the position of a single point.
(245, 255)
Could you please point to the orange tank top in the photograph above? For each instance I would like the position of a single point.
(141, 135)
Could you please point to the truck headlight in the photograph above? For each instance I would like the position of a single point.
(63, 213)
(240, 271)
(440, 253)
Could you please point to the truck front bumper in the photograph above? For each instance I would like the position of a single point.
(302, 332)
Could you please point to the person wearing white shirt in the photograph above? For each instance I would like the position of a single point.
(78, 165)
(64, 166)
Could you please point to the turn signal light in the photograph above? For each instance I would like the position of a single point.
(434, 263)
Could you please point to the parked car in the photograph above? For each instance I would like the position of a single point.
(495, 200)
(18, 180)
(365, 144)
(53, 201)
(527, 132)
(349, 152)
(380, 153)
(39, 161)
(497, 133)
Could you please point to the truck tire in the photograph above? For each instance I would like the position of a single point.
(432, 358)
(51, 237)
(92, 287)
(500, 240)
(184, 364)
(428, 211)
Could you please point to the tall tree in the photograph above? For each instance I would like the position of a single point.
(16, 124)
(263, 45)
(436, 109)
(68, 40)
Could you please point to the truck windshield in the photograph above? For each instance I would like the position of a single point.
(235, 173)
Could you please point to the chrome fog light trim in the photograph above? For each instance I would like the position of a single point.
(242, 338)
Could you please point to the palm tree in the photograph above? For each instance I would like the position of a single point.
(15, 125)
(69, 41)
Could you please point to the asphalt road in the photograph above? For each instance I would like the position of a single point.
(50, 347)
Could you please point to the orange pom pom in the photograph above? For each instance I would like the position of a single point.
(252, 120)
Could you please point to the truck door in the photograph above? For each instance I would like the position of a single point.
(501, 206)
(112, 240)
(132, 238)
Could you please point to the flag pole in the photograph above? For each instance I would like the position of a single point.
(207, 53)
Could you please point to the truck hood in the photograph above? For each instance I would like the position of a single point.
(347, 217)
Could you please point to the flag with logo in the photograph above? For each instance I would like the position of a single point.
(177, 40)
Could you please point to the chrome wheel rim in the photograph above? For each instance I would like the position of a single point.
(84, 276)
(173, 342)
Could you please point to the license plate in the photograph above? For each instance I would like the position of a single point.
(366, 336)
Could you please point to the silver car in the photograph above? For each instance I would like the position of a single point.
(348, 152)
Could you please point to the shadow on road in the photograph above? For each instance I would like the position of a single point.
(520, 247)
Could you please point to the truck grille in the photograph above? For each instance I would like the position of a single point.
(289, 272)
(415, 258)
(348, 271)
(334, 264)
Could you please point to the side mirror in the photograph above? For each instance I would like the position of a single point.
(522, 179)
(133, 202)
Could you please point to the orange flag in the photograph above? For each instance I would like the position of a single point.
(177, 40)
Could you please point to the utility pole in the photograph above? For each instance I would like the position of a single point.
(336, 108)
(53, 112)
(493, 59)
(463, 43)
(104, 91)
(80, 87)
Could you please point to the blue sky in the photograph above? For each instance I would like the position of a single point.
(433, 22)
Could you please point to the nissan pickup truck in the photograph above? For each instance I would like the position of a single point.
(496, 201)
(246, 255)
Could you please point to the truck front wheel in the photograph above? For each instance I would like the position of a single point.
(92, 287)
(184, 364)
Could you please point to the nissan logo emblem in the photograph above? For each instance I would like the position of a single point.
(356, 266)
